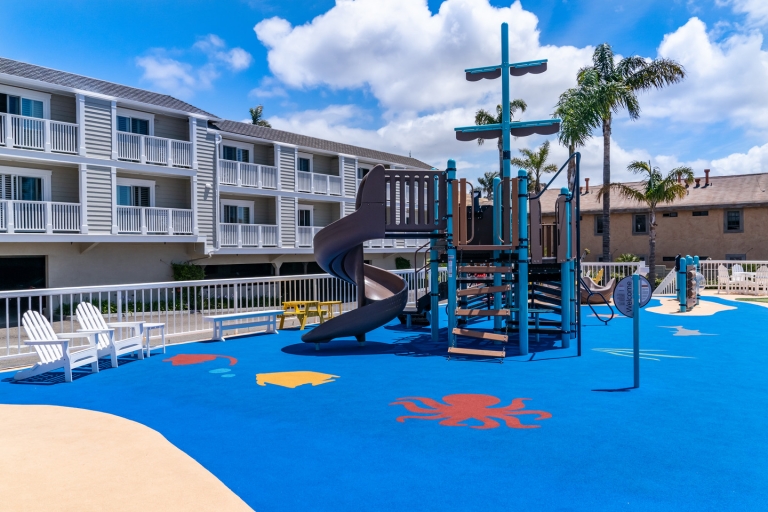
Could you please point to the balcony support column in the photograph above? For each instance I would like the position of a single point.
(10, 222)
(83, 176)
(170, 221)
(239, 168)
(114, 129)
(193, 140)
(143, 220)
(142, 149)
(113, 176)
(193, 202)
(80, 118)
(239, 235)
(169, 149)
(48, 217)
(47, 135)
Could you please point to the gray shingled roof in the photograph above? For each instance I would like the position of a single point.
(263, 132)
(736, 191)
(84, 83)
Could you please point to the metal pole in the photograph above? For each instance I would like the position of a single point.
(505, 173)
(434, 321)
(451, 250)
(522, 274)
(565, 276)
(498, 211)
(636, 325)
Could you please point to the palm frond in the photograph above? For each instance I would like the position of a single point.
(624, 191)
(656, 74)
(603, 60)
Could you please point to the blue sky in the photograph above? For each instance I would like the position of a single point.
(324, 78)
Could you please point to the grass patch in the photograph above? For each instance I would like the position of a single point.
(756, 299)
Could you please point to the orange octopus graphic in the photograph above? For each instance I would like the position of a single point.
(462, 407)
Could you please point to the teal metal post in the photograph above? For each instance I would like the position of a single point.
(681, 293)
(522, 274)
(433, 290)
(698, 268)
(565, 276)
(505, 127)
(636, 326)
(451, 250)
(497, 223)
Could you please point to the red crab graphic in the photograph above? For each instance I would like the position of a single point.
(185, 359)
(462, 407)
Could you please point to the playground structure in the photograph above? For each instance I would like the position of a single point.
(502, 262)
(689, 281)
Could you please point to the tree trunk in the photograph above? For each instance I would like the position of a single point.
(652, 249)
(572, 168)
(607, 193)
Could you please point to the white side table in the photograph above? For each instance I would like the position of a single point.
(148, 327)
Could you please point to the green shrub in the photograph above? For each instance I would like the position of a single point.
(627, 258)
(187, 272)
(402, 263)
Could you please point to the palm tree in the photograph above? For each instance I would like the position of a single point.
(483, 117)
(578, 121)
(607, 88)
(535, 162)
(256, 119)
(486, 183)
(652, 191)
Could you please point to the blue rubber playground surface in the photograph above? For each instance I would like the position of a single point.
(377, 428)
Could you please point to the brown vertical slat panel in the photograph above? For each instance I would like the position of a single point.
(392, 220)
(401, 197)
(462, 211)
(430, 217)
(560, 233)
(455, 193)
(573, 228)
(535, 230)
(513, 216)
(420, 195)
(412, 201)
(505, 205)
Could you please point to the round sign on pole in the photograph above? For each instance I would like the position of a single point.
(622, 295)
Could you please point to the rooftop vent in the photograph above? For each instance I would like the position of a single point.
(706, 178)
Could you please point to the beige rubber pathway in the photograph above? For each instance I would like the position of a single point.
(66, 459)
(703, 308)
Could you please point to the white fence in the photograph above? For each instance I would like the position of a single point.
(317, 183)
(180, 305)
(153, 221)
(248, 235)
(708, 269)
(243, 174)
(610, 270)
(39, 217)
(39, 134)
(146, 149)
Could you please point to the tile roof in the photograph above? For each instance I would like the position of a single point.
(84, 83)
(296, 139)
(735, 191)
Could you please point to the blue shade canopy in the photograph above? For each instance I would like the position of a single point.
(518, 129)
(517, 69)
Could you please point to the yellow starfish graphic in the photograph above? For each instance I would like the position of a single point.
(294, 379)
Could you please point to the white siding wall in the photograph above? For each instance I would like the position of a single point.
(323, 213)
(171, 127)
(323, 164)
(98, 128)
(99, 182)
(350, 177)
(63, 108)
(287, 167)
(288, 220)
(263, 154)
(65, 184)
(169, 192)
(206, 204)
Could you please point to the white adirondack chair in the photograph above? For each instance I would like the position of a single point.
(54, 350)
(90, 319)
(724, 281)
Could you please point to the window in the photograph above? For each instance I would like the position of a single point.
(19, 105)
(668, 258)
(640, 224)
(736, 257)
(304, 162)
(305, 215)
(131, 192)
(598, 224)
(133, 125)
(235, 154)
(236, 212)
(133, 121)
(703, 213)
(670, 214)
(27, 185)
(361, 172)
(734, 221)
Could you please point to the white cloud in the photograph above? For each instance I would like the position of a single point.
(726, 79)
(183, 79)
(754, 160)
(268, 88)
(755, 10)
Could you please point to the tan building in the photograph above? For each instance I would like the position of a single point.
(721, 217)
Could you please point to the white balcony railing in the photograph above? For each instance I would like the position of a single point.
(306, 234)
(146, 149)
(248, 235)
(39, 217)
(37, 134)
(153, 221)
(243, 174)
(316, 183)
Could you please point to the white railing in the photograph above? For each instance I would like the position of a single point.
(709, 268)
(39, 217)
(610, 270)
(248, 235)
(243, 174)
(154, 221)
(317, 183)
(668, 285)
(306, 234)
(146, 149)
(39, 134)
(180, 305)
